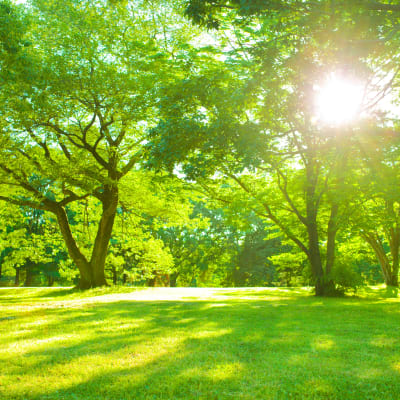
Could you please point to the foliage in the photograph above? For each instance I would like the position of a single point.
(73, 128)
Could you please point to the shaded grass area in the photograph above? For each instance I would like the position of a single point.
(197, 344)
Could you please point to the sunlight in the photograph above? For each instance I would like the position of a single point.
(338, 101)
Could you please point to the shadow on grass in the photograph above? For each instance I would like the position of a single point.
(300, 348)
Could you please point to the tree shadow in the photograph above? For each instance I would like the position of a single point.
(242, 348)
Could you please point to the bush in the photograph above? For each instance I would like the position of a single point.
(346, 276)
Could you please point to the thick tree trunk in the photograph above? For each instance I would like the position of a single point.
(50, 281)
(85, 279)
(100, 248)
(314, 257)
(312, 203)
(173, 278)
(324, 284)
(92, 272)
(152, 281)
(314, 254)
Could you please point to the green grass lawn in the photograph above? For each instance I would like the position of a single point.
(123, 343)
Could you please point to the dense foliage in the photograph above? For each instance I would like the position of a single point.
(162, 143)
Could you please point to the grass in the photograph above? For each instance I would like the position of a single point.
(122, 343)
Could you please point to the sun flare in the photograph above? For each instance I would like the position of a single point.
(338, 101)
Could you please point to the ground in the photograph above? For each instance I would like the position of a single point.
(180, 343)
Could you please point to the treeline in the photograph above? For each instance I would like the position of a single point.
(213, 247)
(161, 143)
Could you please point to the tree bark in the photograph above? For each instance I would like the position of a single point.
(29, 275)
(85, 279)
(314, 257)
(314, 254)
(390, 272)
(394, 250)
(114, 275)
(173, 278)
(324, 286)
(92, 273)
(151, 282)
(331, 239)
(16, 281)
(103, 236)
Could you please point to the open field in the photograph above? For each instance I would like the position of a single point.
(124, 343)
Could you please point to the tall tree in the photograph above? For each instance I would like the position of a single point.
(73, 121)
(377, 196)
(248, 117)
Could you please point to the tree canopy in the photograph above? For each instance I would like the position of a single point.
(183, 143)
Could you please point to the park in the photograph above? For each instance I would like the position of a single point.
(199, 199)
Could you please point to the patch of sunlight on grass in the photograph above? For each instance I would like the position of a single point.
(384, 341)
(211, 333)
(371, 373)
(396, 366)
(36, 344)
(323, 343)
(218, 372)
(218, 305)
(319, 386)
(225, 371)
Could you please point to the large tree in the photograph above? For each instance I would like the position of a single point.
(248, 118)
(74, 114)
(377, 199)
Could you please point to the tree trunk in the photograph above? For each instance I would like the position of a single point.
(92, 273)
(152, 281)
(394, 250)
(324, 286)
(114, 275)
(16, 282)
(331, 239)
(393, 280)
(329, 284)
(29, 276)
(312, 203)
(390, 272)
(50, 281)
(85, 279)
(314, 257)
(172, 279)
(103, 236)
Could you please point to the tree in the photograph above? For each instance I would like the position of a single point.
(247, 118)
(377, 216)
(74, 119)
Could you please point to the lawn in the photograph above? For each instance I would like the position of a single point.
(124, 343)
